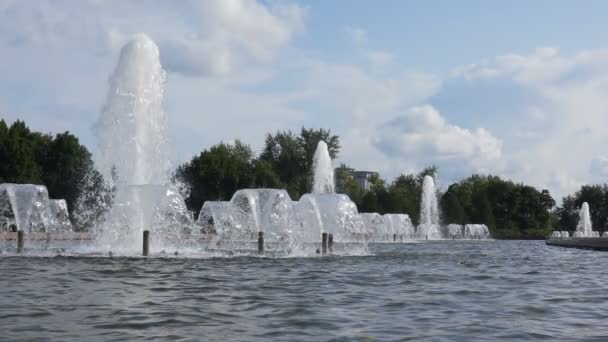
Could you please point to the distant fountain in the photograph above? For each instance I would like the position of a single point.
(399, 227)
(376, 226)
(584, 227)
(454, 232)
(288, 224)
(476, 232)
(429, 211)
(131, 131)
(323, 175)
(335, 213)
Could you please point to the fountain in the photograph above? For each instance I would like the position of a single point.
(476, 232)
(428, 229)
(323, 181)
(400, 227)
(27, 207)
(335, 213)
(377, 227)
(60, 217)
(454, 232)
(584, 227)
(131, 132)
(288, 224)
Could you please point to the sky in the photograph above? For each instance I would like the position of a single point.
(517, 89)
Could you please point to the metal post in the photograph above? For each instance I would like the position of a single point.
(261, 243)
(330, 243)
(323, 243)
(20, 242)
(146, 249)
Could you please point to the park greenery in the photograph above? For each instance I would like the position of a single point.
(511, 210)
(60, 163)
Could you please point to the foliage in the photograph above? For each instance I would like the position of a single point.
(402, 196)
(508, 209)
(286, 161)
(59, 162)
(217, 173)
(291, 157)
(596, 196)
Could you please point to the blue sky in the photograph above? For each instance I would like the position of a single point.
(514, 88)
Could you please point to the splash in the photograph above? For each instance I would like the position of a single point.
(133, 151)
(131, 128)
(429, 211)
(584, 227)
(323, 181)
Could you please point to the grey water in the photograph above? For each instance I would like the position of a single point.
(436, 290)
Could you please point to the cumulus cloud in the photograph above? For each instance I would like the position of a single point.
(197, 37)
(537, 117)
(557, 130)
(422, 135)
(226, 30)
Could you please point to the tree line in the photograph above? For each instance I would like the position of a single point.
(511, 210)
(284, 163)
(59, 162)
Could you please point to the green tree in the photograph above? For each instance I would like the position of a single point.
(510, 210)
(597, 197)
(405, 197)
(291, 156)
(346, 184)
(60, 163)
(217, 173)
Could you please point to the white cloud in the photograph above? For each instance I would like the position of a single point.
(539, 117)
(561, 126)
(196, 37)
(422, 135)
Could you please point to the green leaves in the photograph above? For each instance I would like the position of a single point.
(596, 196)
(60, 163)
(285, 163)
(510, 210)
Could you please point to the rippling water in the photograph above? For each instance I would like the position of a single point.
(457, 290)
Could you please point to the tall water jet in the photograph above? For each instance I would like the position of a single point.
(131, 133)
(429, 211)
(131, 128)
(323, 170)
(584, 227)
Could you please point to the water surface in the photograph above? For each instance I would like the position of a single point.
(456, 290)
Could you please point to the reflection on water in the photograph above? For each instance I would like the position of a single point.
(456, 290)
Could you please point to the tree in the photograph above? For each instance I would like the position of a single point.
(405, 196)
(454, 211)
(348, 185)
(309, 139)
(597, 197)
(509, 209)
(291, 156)
(60, 163)
(286, 156)
(217, 173)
